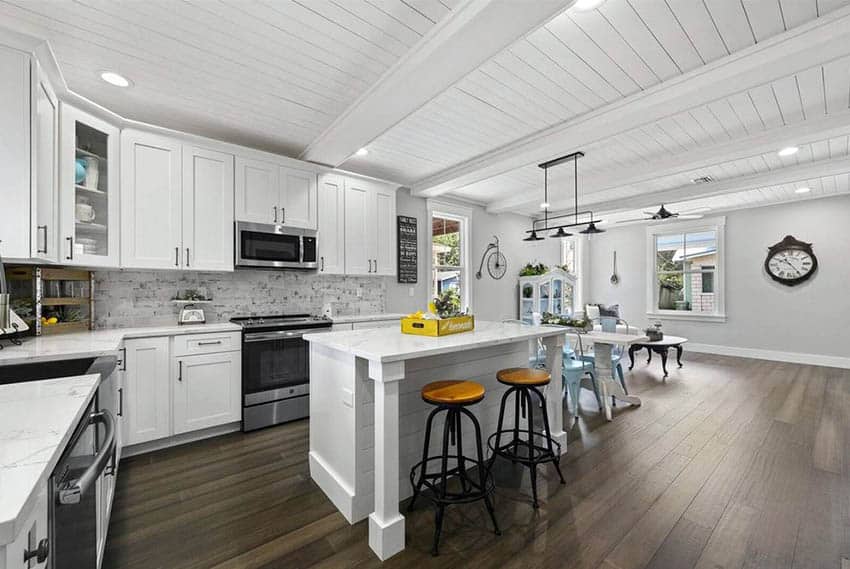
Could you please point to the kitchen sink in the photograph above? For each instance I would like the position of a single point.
(58, 368)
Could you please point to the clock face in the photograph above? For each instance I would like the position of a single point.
(790, 264)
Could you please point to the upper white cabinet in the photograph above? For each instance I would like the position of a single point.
(151, 215)
(44, 237)
(370, 240)
(15, 153)
(88, 189)
(207, 209)
(270, 191)
(176, 206)
(331, 224)
(29, 123)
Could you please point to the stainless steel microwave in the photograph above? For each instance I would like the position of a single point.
(272, 246)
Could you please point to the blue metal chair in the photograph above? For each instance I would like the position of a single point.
(575, 369)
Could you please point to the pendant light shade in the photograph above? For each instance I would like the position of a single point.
(591, 229)
(560, 234)
(533, 237)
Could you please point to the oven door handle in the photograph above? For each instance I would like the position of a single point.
(279, 334)
(72, 492)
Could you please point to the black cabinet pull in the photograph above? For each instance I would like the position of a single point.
(187, 256)
(323, 263)
(177, 256)
(275, 213)
(120, 401)
(180, 370)
(70, 256)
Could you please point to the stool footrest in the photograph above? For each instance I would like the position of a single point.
(534, 453)
(470, 482)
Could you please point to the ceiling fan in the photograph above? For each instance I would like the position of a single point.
(664, 213)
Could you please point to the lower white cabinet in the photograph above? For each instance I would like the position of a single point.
(31, 532)
(207, 391)
(176, 385)
(147, 390)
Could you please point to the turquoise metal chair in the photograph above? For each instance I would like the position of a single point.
(575, 369)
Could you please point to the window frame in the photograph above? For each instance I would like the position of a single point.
(716, 224)
(463, 215)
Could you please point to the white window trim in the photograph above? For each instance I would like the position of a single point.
(717, 224)
(464, 215)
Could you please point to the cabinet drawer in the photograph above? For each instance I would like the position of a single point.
(207, 343)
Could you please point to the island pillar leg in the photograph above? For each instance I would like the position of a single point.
(386, 524)
(554, 402)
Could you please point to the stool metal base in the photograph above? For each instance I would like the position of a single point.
(525, 451)
(473, 487)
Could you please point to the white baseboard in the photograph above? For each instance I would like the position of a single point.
(181, 439)
(760, 354)
(353, 508)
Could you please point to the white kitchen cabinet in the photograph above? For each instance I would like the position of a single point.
(151, 214)
(383, 222)
(88, 200)
(31, 532)
(15, 153)
(44, 237)
(207, 210)
(370, 238)
(147, 390)
(207, 390)
(257, 191)
(331, 224)
(269, 190)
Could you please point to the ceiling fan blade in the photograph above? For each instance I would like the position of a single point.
(690, 216)
(634, 219)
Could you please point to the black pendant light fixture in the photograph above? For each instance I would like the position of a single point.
(559, 229)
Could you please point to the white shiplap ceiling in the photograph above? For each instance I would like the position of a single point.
(268, 73)
(280, 75)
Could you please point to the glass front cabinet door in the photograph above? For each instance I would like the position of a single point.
(88, 190)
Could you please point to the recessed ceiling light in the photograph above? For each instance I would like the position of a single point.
(788, 151)
(802, 190)
(544, 205)
(585, 5)
(115, 79)
(362, 152)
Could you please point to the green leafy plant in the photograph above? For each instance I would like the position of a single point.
(558, 320)
(448, 303)
(532, 270)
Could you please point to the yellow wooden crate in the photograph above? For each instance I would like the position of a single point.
(444, 327)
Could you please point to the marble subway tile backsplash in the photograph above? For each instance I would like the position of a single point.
(143, 298)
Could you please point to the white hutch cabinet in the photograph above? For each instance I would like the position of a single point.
(553, 292)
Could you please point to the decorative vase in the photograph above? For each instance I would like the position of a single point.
(80, 173)
(92, 172)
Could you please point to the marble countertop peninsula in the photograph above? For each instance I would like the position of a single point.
(389, 344)
(94, 343)
(37, 419)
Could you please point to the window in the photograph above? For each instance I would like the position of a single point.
(568, 256)
(685, 266)
(449, 265)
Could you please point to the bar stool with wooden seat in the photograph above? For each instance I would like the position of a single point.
(538, 447)
(453, 397)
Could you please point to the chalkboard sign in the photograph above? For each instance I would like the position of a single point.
(408, 266)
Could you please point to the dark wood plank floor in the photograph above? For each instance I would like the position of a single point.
(731, 463)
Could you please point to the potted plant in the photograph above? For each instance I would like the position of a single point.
(533, 270)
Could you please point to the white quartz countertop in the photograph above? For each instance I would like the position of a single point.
(37, 418)
(389, 344)
(94, 343)
(366, 318)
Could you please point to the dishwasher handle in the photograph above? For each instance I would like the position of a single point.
(72, 492)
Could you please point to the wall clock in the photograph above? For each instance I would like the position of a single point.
(790, 261)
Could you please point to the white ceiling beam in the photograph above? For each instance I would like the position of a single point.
(473, 33)
(805, 132)
(789, 175)
(824, 39)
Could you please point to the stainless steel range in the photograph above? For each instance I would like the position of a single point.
(276, 368)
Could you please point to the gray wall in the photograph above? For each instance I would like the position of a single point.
(761, 314)
(491, 299)
(141, 298)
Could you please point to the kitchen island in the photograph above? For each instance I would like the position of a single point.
(367, 419)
